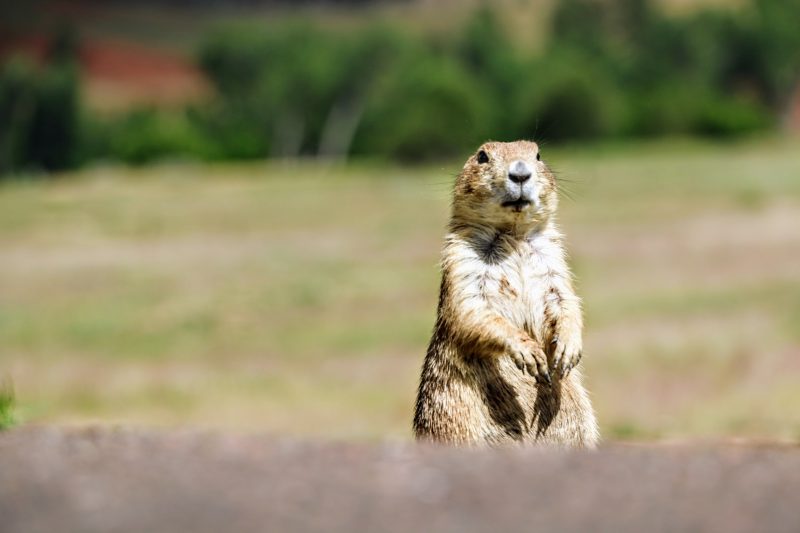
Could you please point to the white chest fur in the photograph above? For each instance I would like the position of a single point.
(522, 280)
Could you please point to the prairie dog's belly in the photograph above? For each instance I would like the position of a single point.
(505, 400)
(519, 296)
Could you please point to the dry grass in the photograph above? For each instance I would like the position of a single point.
(299, 298)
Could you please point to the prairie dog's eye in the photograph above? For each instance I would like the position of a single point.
(483, 157)
(538, 156)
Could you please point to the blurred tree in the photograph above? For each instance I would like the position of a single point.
(64, 46)
(17, 104)
(145, 135)
(498, 71)
(572, 97)
(298, 87)
(692, 74)
(39, 110)
(372, 56)
(775, 26)
(427, 108)
(284, 82)
(53, 136)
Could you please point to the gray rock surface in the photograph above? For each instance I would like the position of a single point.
(105, 480)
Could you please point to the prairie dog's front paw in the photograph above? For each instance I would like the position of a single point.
(567, 353)
(529, 357)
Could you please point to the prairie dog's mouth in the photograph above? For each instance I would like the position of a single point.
(517, 205)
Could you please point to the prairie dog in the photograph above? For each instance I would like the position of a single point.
(502, 365)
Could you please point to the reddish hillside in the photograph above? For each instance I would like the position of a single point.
(119, 74)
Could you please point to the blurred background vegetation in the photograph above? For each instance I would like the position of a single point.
(234, 236)
(295, 84)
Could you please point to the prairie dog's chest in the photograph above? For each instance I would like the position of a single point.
(517, 283)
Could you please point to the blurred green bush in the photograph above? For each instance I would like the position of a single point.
(145, 135)
(7, 418)
(39, 116)
(610, 68)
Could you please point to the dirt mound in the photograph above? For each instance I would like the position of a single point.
(105, 480)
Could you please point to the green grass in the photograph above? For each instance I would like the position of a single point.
(6, 407)
(299, 298)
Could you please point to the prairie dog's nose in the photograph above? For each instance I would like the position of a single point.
(519, 171)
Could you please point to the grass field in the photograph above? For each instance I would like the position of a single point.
(298, 298)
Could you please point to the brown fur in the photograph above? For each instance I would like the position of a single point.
(501, 365)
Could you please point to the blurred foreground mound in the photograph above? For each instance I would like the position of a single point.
(105, 480)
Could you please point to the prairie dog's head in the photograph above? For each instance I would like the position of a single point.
(505, 184)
